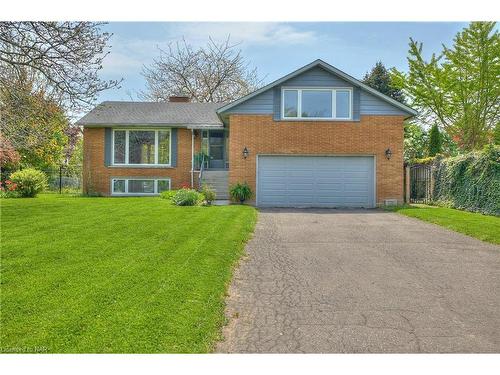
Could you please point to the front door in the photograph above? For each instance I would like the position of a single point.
(216, 151)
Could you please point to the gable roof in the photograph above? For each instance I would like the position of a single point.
(153, 113)
(330, 69)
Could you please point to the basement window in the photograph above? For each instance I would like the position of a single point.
(139, 186)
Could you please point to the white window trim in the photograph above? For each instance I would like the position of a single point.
(127, 179)
(127, 147)
(334, 102)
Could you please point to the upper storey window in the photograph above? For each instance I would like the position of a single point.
(318, 103)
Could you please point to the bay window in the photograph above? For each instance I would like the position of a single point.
(139, 186)
(141, 147)
(317, 103)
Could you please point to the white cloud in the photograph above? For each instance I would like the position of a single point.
(248, 33)
(128, 55)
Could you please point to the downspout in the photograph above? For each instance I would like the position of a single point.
(192, 158)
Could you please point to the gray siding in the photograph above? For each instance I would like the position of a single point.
(317, 77)
(269, 102)
(371, 105)
(261, 104)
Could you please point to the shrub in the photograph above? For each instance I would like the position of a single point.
(208, 193)
(8, 189)
(240, 192)
(427, 161)
(29, 182)
(187, 197)
(168, 194)
(470, 181)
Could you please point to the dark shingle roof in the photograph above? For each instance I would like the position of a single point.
(152, 113)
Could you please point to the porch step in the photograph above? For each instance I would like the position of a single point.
(219, 181)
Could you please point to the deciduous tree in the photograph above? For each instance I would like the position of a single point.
(63, 57)
(34, 124)
(415, 141)
(459, 88)
(9, 157)
(216, 72)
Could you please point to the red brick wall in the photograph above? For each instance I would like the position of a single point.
(97, 177)
(370, 136)
(262, 135)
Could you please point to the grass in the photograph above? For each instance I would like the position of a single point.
(116, 275)
(483, 227)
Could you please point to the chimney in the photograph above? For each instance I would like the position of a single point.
(179, 99)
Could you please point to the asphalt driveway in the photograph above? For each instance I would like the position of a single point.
(330, 281)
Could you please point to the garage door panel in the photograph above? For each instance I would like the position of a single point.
(272, 180)
(315, 181)
(300, 201)
(293, 182)
(356, 188)
(355, 193)
(327, 186)
(329, 174)
(301, 173)
(271, 173)
(356, 174)
(301, 187)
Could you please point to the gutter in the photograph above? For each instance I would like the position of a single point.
(151, 125)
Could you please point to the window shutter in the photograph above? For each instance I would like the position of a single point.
(173, 134)
(107, 146)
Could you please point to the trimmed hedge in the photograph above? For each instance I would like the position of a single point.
(470, 182)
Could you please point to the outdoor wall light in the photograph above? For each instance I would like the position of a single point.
(245, 153)
(388, 153)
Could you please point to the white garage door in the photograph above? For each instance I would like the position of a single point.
(315, 181)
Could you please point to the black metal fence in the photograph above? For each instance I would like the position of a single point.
(420, 183)
(64, 179)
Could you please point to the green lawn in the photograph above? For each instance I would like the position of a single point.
(116, 274)
(483, 227)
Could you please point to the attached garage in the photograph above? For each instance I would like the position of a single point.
(315, 181)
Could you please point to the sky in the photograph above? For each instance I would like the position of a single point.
(275, 49)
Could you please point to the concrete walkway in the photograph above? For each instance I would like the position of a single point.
(330, 281)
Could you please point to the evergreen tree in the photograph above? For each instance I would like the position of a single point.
(379, 78)
(435, 141)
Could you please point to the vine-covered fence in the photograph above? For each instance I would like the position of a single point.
(470, 181)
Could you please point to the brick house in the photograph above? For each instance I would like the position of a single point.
(314, 138)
